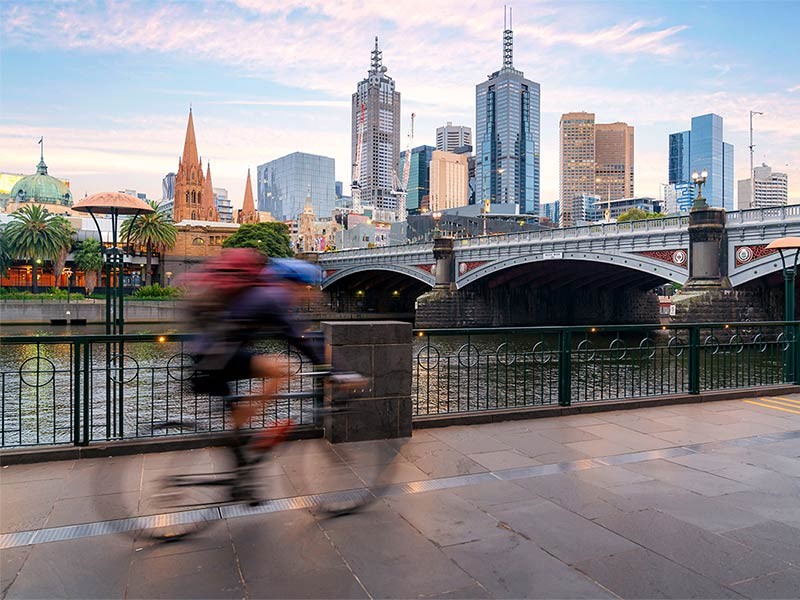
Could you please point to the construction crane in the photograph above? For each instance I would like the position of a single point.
(355, 186)
(402, 191)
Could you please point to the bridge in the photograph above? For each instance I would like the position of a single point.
(634, 255)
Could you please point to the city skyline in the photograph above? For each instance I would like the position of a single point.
(120, 78)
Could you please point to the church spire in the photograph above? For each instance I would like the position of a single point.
(190, 145)
(508, 40)
(248, 213)
(208, 207)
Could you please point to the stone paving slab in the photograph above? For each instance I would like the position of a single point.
(637, 516)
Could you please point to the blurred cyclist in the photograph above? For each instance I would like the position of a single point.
(234, 297)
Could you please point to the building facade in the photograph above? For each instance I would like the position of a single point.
(450, 137)
(577, 164)
(284, 184)
(771, 189)
(223, 204)
(449, 180)
(678, 198)
(418, 176)
(551, 211)
(702, 149)
(379, 102)
(507, 136)
(613, 155)
(193, 196)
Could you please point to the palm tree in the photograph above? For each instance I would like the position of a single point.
(89, 259)
(6, 260)
(36, 235)
(156, 231)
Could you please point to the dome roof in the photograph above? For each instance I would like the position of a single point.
(41, 187)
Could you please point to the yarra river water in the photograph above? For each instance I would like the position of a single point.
(450, 373)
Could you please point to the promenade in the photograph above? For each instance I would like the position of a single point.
(687, 501)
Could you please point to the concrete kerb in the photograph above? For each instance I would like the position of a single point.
(189, 442)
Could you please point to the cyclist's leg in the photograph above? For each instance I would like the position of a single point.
(274, 370)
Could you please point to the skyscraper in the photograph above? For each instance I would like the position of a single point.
(699, 149)
(613, 157)
(449, 180)
(507, 136)
(380, 150)
(450, 137)
(418, 176)
(577, 160)
(284, 183)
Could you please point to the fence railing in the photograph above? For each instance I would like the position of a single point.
(91, 388)
(84, 389)
(466, 370)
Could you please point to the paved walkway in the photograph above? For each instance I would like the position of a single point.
(692, 501)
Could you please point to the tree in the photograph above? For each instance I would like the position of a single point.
(89, 259)
(637, 214)
(156, 231)
(6, 260)
(36, 235)
(271, 239)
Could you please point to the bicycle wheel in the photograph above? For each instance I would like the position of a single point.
(169, 495)
(346, 477)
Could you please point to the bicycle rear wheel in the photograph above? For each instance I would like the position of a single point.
(173, 495)
(345, 477)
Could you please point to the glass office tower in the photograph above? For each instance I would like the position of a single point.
(507, 139)
(701, 149)
(284, 184)
(418, 176)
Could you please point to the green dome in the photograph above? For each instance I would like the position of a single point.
(41, 187)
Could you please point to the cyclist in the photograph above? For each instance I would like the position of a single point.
(235, 296)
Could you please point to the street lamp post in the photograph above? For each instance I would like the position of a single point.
(699, 179)
(785, 246)
(68, 272)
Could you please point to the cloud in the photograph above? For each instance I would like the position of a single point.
(795, 88)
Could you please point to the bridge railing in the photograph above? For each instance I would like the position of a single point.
(760, 215)
(471, 370)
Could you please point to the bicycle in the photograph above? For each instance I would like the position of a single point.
(182, 501)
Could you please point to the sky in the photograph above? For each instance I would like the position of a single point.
(109, 84)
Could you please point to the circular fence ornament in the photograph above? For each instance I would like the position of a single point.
(711, 344)
(679, 257)
(784, 340)
(471, 353)
(542, 353)
(294, 361)
(180, 367)
(617, 348)
(428, 357)
(676, 346)
(585, 350)
(760, 343)
(120, 367)
(504, 357)
(37, 376)
(735, 344)
(646, 348)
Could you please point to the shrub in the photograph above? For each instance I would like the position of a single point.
(156, 292)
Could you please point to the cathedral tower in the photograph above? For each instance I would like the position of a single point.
(193, 198)
(248, 213)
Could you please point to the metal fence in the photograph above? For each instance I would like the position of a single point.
(83, 389)
(91, 388)
(484, 369)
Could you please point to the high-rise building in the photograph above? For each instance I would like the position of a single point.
(223, 204)
(168, 187)
(284, 184)
(613, 156)
(451, 136)
(193, 198)
(702, 149)
(418, 176)
(577, 160)
(678, 197)
(772, 189)
(551, 211)
(449, 180)
(596, 160)
(380, 150)
(507, 136)
(338, 189)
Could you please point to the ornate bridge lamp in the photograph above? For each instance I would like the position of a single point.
(699, 179)
(114, 205)
(785, 246)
